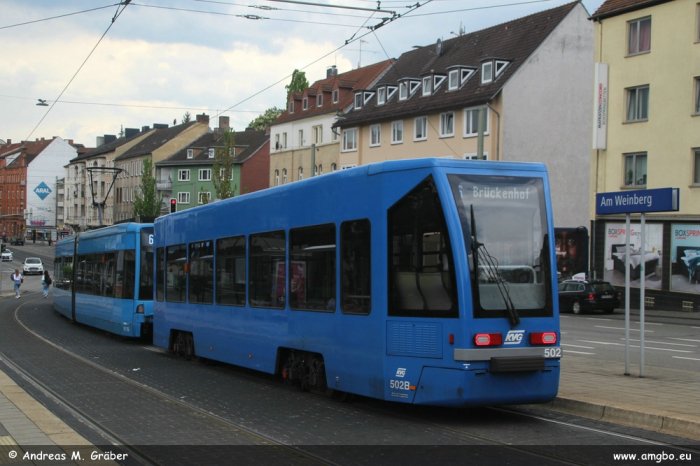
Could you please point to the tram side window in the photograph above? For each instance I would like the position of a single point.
(108, 275)
(175, 258)
(66, 269)
(230, 271)
(421, 270)
(146, 276)
(160, 274)
(267, 270)
(312, 268)
(80, 274)
(355, 267)
(129, 274)
(201, 288)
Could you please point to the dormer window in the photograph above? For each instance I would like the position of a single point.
(305, 104)
(403, 91)
(335, 96)
(487, 72)
(319, 100)
(427, 85)
(390, 92)
(291, 107)
(438, 79)
(381, 96)
(500, 66)
(211, 153)
(413, 86)
(358, 100)
(453, 80)
(465, 74)
(367, 96)
(190, 153)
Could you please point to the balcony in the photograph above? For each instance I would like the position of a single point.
(163, 185)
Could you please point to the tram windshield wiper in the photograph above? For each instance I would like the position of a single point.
(490, 268)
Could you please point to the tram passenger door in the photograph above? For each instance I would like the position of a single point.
(421, 294)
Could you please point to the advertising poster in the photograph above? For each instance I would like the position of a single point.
(685, 256)
(647, 259)
(572, 251)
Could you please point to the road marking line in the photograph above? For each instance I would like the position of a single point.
(681, 357)
(618, 328)
(684, 339)
(596, 318)
(662, 349)
(664, 343)
(577, 346)
(576, 352)
(601, 343)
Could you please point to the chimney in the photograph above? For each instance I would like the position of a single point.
(160, 126)
(203, 118)
(9, 141)
(99, 140)
(331, 71)
(70, 141)
(223, 124)
(110, 138)
(130, 132)
(145, 128)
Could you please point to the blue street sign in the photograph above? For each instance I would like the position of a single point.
(641, 201)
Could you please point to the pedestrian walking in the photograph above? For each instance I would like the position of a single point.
(46, 283)
(18, 280)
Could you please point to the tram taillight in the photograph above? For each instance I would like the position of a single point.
(543, 338)
(488, 339)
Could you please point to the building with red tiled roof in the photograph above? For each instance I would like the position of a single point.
(308, 120)
(29, 171)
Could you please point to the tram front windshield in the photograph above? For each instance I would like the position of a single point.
(504, 222)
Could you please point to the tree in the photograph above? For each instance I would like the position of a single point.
(186, 118)
(298, 84)
(146, 202)
(261, 122)
(223, 166)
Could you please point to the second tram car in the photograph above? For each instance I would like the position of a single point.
(426, 281)
(104, 278)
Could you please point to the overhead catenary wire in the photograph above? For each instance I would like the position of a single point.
(59, 16)
(114, 18)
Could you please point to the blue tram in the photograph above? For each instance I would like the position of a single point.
(104, 278)
(425, 281)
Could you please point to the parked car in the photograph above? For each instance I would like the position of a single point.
(579, 296)
(19, 241)
(7, 255)
(33, 265)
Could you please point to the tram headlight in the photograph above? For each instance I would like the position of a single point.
(139, 309)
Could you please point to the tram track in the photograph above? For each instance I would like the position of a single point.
(138, 454)
(417, 415)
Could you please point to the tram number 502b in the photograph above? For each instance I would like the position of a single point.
(552, 352)
(400, 384)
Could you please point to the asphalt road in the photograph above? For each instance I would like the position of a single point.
(671, 343)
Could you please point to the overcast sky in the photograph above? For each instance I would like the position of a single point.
(162, 58)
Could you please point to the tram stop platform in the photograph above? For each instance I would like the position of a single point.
(664, 400)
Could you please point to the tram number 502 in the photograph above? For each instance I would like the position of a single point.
(552, 352)
(400, 384)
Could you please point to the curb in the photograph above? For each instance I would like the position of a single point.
(654, 422)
